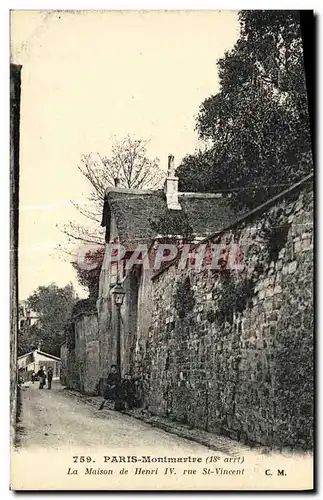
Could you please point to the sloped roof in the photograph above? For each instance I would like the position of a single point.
(48, 355)
(25, 355)
(39, 352)
(138, 213)
(206, 214)
(243, 217)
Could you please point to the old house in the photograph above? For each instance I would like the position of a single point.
(228, 352)
(27, 317)
(140, 217)
(94, 339)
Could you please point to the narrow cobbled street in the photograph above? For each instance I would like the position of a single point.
(71, 445)
(53, 418)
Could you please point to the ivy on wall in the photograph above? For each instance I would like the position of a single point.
(70, 336)
(211, 316)
(235, 295)
(294, 374)
(275, 238)
(184, 298)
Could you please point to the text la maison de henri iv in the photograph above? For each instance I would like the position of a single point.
(152, 465)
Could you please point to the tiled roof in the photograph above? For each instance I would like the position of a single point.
(138, 214)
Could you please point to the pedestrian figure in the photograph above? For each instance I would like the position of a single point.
(20, 377)
(33, 377)
(42, 378)
(50, 377)
(113, 383)
(120, 402)
(129, 392)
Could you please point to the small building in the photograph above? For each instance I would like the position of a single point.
(34, 360)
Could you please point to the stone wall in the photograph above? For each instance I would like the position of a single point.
(64, 365)
(81, 354)
(73, 372)
(232, 352)
(15, 83)
(87, 352)
(145, 307)
(108, 323)
(129, 313)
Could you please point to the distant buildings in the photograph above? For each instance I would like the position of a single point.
(27, 317)
(33, 361)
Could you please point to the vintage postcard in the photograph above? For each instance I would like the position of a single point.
(162, 318)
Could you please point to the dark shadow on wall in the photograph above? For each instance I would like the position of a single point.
(20, 431)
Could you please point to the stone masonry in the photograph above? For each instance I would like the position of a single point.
(81, 353)
(232, 352)
(15, 91)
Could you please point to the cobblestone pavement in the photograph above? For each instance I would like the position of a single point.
(56, 425)
(59, 418)
(56, 419)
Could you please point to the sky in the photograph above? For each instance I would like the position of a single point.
(88, 79)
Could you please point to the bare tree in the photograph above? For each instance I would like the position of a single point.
(129, 164)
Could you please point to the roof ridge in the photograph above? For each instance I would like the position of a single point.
(39, 351)
(23, 355)
(251, 213)
(47, 354)
(111, 190)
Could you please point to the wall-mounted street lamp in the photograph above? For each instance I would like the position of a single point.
(118, 296)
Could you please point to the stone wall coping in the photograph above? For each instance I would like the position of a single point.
(83, 314)
(188, 194)
(122, 190)
(200, 195)
(256, 211)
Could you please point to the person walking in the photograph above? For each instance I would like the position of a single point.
(49, 377)
(20, 379)
(42, 378)
(112, 386)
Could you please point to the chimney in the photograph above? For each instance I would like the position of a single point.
(171, 168)
(116, 181)
(171, 186)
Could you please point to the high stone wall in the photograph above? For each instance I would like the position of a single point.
(240, 359)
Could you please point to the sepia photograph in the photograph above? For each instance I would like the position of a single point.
(162, 250)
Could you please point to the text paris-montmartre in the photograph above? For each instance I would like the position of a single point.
(149, 459)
